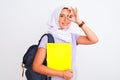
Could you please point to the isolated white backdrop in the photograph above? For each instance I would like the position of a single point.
(22, 22)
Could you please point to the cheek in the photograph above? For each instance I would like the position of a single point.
(60, 21)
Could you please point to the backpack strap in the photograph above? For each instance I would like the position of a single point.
(23, 71)
(50, 38)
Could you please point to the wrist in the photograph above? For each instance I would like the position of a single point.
(61, 74)
(81, 24)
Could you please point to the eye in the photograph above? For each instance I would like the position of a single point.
(70, 16)
(61, 15)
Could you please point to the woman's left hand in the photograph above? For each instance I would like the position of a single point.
(74, 16)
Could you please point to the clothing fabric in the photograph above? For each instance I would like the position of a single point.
(74, 38)
(54, 27)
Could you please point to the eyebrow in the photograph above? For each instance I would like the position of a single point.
(65, 8)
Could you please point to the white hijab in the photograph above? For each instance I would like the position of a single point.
(63, 34)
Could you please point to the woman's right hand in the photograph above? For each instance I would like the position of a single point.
(67, 74)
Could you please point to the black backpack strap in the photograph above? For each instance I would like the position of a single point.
(50, 38)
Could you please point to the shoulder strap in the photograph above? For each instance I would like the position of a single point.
(50, 38)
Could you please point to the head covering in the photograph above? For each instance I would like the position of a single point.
(54, 28)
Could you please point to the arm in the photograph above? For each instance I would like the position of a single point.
(90, 37)
(40, 68)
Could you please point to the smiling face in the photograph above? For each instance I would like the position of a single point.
(63, 21)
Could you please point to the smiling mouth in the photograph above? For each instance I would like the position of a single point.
(65, 24)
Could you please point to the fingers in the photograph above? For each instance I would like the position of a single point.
(73, 16)
(68, 74)
(74, 11)
(70, 17)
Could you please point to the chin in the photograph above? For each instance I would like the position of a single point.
(64, 27)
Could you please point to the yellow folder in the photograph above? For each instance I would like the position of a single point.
(59, 56)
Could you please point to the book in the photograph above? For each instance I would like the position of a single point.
(59, 56)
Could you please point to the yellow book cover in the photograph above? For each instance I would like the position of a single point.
(59, 56)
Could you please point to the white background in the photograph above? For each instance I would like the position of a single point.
(22, 22)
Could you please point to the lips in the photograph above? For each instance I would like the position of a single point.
(65, 24)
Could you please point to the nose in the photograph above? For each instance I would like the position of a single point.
(65, 19)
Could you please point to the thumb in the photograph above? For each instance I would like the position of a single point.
(71, 71)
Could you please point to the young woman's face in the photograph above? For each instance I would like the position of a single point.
(64, 22)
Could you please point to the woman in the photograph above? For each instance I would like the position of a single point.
(59, 27)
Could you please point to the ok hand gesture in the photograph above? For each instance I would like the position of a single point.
(74, 16)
